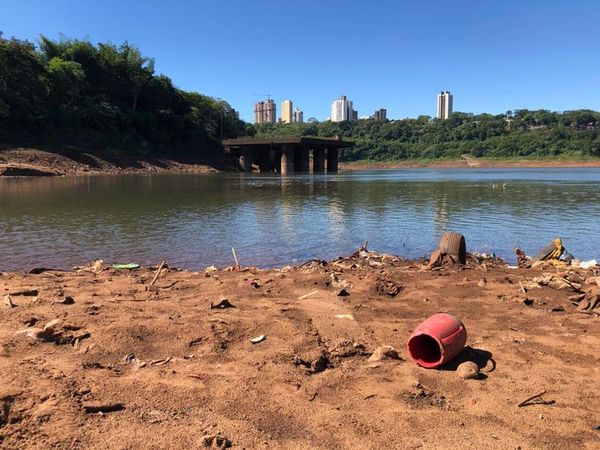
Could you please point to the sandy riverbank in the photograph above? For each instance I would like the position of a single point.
(175, 370)
(36, 162)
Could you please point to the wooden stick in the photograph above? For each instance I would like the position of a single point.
(8, 301)
(162, 264)
(307, 295)
(237, 263)
(522, 288)
(533, 397)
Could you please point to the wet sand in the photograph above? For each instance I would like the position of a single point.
(170, 371)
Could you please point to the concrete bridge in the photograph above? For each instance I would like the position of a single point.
(287, 155)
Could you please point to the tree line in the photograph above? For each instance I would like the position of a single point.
(514, 134)
(70, 91)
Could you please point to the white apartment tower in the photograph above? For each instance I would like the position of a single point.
(342, 109)
(444, 105)
(298, 115)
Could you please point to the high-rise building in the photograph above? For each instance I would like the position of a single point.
(444, 105)
(287, 115)
(342, 109)
(380, 115)
(265, 112)
(298, 115)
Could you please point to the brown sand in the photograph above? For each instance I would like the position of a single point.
(310, 383)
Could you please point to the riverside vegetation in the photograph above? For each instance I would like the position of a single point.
(69, 92)
(518, 134)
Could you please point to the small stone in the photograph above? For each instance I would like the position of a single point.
(384, 352)
(468, 370)
(482, 283)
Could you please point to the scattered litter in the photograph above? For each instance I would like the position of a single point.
(551, 251)
(588, 264)
(222, 304)
(210, 269)
(126, 266)
(468, 370)
(257, 339)
(344, 316)
(340, 283)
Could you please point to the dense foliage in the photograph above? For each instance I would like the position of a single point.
(105, 96)
(516, 134)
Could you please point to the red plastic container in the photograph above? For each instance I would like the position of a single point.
(437, 340)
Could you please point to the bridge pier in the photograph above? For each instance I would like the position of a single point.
(318, 160)
(246, 160)
(301, 160)
(332, 160)
(287, 159)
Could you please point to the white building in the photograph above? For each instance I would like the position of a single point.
(298, 115)
(444, 105)
(342, 109)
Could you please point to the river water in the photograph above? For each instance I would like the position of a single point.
(193, 220)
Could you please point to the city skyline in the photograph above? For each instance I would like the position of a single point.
(496, 57)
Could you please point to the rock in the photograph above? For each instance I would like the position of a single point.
(482, 283)
(215, 441)
(343, 293)
(222, 304)
(468, 370)
(384, 352)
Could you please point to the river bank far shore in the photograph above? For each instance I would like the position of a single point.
(271, 358)
(471, 163)
(20, 161)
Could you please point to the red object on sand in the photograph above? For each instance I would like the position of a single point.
(437, 340)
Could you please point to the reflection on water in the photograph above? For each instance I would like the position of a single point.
(193, 220)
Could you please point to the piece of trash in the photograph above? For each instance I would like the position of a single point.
(222, 304)
(588, 264)
(388, 287)
(126, 266)
(95, 407)
(344, 316)
(129, 358)
(257, 339)
(210, 269)
(468, 370)
(557, 309)
(552, 251)
(384, 352)
(342, 293)
(437, 340)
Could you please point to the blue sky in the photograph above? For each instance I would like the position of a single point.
(493, 55)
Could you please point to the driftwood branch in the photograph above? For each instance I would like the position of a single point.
(533, 397)
(162, 264)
